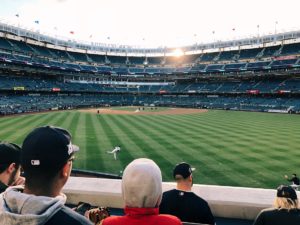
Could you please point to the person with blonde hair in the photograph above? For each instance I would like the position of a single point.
(142, 193)
(285, 211)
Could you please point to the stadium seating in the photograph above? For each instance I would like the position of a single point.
(290, 49)
(37, 78)
(249, 53)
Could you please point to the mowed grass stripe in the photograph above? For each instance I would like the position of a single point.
(259, 138)
(138, 135)
(253, 149)
(115, 139)
(133, 138)
(79, 133)
(119, 131)
(20, 130)
(224, 159)
(17, 125)
(181, 151)
(72, 128)
(93, 149)
(11, 120)
(102, 144)
(184, 150)
(112, 165)
(243, 155)
(72, 125)
(65, 121)
(45, 120)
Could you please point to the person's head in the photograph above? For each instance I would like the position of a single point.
(47, 154)
(286, 198)
(183, 176)
(294, 175)
(142, 184)
(10, 168)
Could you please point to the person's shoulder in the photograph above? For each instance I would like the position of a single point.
(197, 198)
(67, 216)
(168, 219)
(267, 212)
(113, 220)
(170, 192)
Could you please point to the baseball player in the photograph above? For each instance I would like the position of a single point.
(115, 151)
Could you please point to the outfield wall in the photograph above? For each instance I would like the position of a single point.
(227, 202)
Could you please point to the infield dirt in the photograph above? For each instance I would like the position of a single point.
(171, 111)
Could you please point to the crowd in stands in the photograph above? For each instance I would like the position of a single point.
(71, 79)
(16, 104)
(34, 94)
(266, 58)
(267, 85)
(47, 155)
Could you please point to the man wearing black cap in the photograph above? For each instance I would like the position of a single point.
(285, 211)
(46, 157)
(10, 168)
(182, 202)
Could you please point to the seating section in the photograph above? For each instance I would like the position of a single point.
(249, 53)
(13, 104)
(256, 59)
(38, 94)
(50, 79)
(228, 56)
(290, 49)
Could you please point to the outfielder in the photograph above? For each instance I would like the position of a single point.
(115, 151)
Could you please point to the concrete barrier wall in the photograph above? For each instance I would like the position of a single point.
(227, 202)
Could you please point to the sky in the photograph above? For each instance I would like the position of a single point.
(153, 23)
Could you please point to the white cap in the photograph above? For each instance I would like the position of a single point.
(142, 184)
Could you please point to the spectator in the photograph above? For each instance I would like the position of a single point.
(10, 168)
(285, 211)
(182, 202)
(46, 157)
(295, 180)
(142, 192)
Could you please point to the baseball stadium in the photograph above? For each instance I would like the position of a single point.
(229, 108)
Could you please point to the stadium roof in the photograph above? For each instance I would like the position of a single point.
(152, 23)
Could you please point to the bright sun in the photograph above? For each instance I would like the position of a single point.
(178, 52)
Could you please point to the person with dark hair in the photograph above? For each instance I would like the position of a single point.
(10, 168)
(285, 210)
(141, 191)
(46, 157)
(182, 202)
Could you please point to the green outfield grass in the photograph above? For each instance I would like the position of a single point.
(226, 147)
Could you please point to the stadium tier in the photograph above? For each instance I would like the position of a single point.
(36, 76)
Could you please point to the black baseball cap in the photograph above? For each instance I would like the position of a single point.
(47, 148)
(284, 191)
(183, 169)
(9, 153)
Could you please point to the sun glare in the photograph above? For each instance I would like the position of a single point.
(178, 52)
